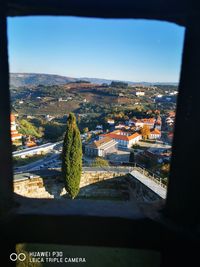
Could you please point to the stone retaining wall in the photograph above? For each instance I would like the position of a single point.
(53, 187)
(140, 192)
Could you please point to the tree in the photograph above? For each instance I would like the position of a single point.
(85, 130)
(100, 162)
(132, 157)
(119, 84)
(165, 169)
(72, 157)
(27, 128)
(126, 118)
(145, 131)
(54, 131)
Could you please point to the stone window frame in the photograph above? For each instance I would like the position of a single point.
(158, 228)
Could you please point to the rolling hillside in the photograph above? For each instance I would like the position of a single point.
(34, 79)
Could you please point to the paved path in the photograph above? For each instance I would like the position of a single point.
(158, 189)
(156, 145)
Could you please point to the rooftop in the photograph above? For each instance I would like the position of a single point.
(120, 136)
(12, 117)
(99, 143)
(146, 120)
(155, 131)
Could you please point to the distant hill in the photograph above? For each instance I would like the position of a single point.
(34, 79)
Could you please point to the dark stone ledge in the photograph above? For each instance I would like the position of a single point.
(170, 10)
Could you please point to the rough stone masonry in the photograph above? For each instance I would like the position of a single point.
(53, 186)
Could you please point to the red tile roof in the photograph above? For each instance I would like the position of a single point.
(12, 117)
(16, 135)
(171, 114)
(170, 134)
(156, 131)
(100, 142)
(120, 136)
(146, 120)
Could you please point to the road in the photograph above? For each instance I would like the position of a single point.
(33, 150)
(53, 161)
(47, 160)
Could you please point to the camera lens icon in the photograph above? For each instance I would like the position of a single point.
(15, 256)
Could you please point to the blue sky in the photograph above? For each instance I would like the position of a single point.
(134, 50)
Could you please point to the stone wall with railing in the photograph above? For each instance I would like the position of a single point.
(53, 186)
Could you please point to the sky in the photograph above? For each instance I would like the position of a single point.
(128, 50)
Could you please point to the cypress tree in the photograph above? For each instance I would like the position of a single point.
(72, 157)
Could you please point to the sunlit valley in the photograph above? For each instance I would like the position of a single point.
(124, 124)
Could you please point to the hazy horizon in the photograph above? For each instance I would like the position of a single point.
(101, 78)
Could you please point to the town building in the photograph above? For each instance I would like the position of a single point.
(111, 121)
(139, 93)
(170, 137)
(120, 126)
(60, 99)
(166, 98)
(15, 135)
(158, 123)
(124, 139)
(172, 114)
(99, 127)
(155, 134)
(150, 122)
(159, 96)
(170, 121)
(101, 148)
(173, 93)
(49, 117)
(30, 142)
(171, 118)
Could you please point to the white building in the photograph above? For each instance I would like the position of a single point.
(155, 134)
(124, 139)
(159, 96)
(99, 127)
(150, 122)
(101, 148)
(13, 128)
(139, 93)
(120, 126)
(173, 93)
(111, 121)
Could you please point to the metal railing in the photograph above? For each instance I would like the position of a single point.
(127, 169)
(152, 176)
(119, 169)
